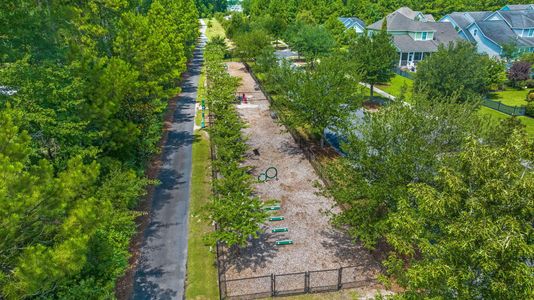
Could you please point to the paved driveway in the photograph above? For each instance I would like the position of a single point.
(162, 266)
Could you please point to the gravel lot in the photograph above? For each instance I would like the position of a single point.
(317, 246)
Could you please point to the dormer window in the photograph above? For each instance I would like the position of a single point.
(423, 36)
(528, 32)
(475, 32)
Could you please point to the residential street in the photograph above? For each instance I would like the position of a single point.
(162, 266)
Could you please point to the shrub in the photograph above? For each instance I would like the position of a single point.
(530, 109)
(518, 73)
(529, 83)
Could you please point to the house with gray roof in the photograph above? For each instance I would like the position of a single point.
(491, 31)
(353, 23)
(461, 20)
(415, 35)
(518, 7)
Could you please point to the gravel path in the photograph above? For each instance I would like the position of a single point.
(317, 246)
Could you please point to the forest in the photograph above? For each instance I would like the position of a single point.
(367, 10)
(84, 86)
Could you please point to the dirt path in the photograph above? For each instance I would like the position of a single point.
(317, 246)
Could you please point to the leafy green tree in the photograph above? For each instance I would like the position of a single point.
(318, 98)
(454, 71)
(236, 211)
(496, 73)
(374, 58)
(519, 72)
(388, 150)
(250, 44)
(342, 35)
(91, 81)
(509, 51)
(312, 41)
(468, 235)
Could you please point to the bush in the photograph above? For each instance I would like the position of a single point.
(529, 83)
(518, 73)
(530, 109)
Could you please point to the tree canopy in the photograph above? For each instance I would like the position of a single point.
(91, 80)
(455, 70)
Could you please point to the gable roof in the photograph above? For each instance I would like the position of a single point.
(405, 19)
(518, 18)
(408, 12)
(444, 34)
(500, 33)
(352, 22)
(518, 7)
(399, 22)
(429, 18)
(464, 19)
(497, 31)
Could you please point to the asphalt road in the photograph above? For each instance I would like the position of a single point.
(161, 270)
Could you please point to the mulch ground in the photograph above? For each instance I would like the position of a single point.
(316, 244)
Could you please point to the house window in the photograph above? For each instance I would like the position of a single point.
(423, 37)
(530, 32)
(475, 32)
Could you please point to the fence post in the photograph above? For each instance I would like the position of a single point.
(273, 285)
(339, 274)
(306, 282)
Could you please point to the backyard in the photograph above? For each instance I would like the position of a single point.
(510, 96)
(394, 87)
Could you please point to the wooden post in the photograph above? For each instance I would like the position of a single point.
(306, 282)
(273, 285)
(339, 275)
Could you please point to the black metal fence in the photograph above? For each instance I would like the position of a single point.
(293, 283)
(509, 110)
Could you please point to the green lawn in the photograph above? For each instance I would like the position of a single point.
(201, 262)
(497, 116)
(200, 95)
(395, 85)
(511, 96)
(216, 29)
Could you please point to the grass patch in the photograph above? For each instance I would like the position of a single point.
(395, 85)
(201, 262)
(496, 117)
(511, 97)
(365, 92)
(215, 29)
(201, 94)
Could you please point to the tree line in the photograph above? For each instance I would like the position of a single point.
(235, 209)
(84, 89)
(368, 10)
(446, 192)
